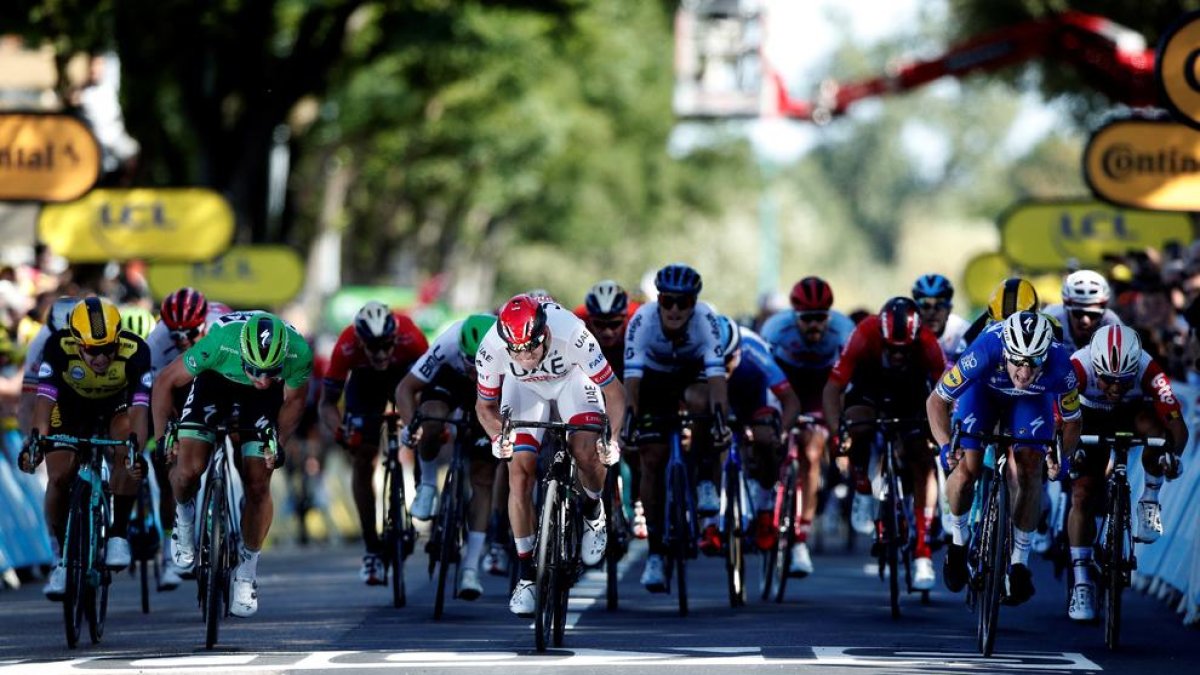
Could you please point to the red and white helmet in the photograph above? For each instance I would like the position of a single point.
(184, 309)
(1116, 351)
(899, 321)
(522, 323)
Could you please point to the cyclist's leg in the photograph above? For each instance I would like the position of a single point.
(1032, 416)
(1149, 512)
(861, 407)
(365, 398)
(1087, 497)
(523, 403)
(122, 482)
(434, 436)
(580, 402)
(658, 402)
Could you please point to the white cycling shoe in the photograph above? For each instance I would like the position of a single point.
(469, 587)
(522, 602)
(183, 546)
(801, 564)
(595, 539)
(422, 506)
(56, 585)
(708, 503)
(244, 602)
(862, 513)
(1083, 602)
(924, 578)
(117, 557)
(653, 576)
(1149, 527)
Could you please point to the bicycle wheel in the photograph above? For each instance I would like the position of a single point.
(445, 532)
(142, 564)
(568, 558)
(681, 533)
(786, 539)
(98, 579)
(892, 537)
(76, 544)
(395, 534)
(548, 548)
(995, 559)
(615, 526)
(735, 570)
(213, 549)
(1114, 568)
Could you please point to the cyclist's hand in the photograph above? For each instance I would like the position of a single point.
(409, 436)
(1077, 463)
(1171, 465)
(610, 452)
(949, 458)
(629, 429)
(502, 447)
(721, 433)
(30, 456)
(1053, 467)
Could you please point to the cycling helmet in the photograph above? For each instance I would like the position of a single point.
(95, 322)
(1085, 287)
(729, 335)
(899, 322)
(522, 323)
(811, 294)
(1116, 351)
(1011, 296)
(59, 316)
(605, 298)
(137, 320)
(474, 327)
(264, 344)
(932, 286)
(185, 308)
(375, 326)
(678, 278)
(1027, 335)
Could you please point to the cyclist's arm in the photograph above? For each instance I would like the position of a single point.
(938, 410)
(718, 394)
(139, 423)
(614, 405)
(632, 385)
(162, 402)
(331, 393)
(291, 411)
(1178, 431)
(488, 411)
(1070, 431)
(42, 407)
(406, 396)
(831, 398)
(790, 403)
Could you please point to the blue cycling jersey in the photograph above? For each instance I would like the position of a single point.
(757, 368)
(789, 346)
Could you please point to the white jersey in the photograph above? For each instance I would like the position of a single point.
(569, 347)
(58, 317)
(647, 346)
(443, 353)
(953, 338)
(1059, 314)
(1150, 381)
(162, 348)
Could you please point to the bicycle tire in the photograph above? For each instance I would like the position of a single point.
(996, 548)
(680, 534)
(1119, 519)
(891, 535)
(143, 565)
(568, 565)
(396, 550)
(547, 568)
(447, 522)
(786, 540)
(97, 592)
(614, 515)
(215, 578)
(77, 535)
(735, 570)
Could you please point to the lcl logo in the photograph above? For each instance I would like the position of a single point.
(135, 216)
(1094, 225)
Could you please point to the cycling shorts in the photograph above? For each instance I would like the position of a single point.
(578, 399)
(980, 408)
(212, 399)
(660, 396)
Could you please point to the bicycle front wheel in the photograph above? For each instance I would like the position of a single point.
(1116, 562)
(892, 538)
(995, 559)
(568, 567)
(681, 532)
(446, 531)
(548, 547)
(99, 578)
(789, 513)
(735, 569)
(397, 522)
(212, 551)
(74, 557)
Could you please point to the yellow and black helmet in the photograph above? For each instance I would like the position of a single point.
(95, 322)
(1011, 296)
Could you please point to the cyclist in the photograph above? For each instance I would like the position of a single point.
(1012, 295)
(672, 354)
(256, 362)
(368, 360)
(1013, 374)
(1083, 311)
(444, 378)
(94, 380)
(888, 368)
(806, 341)
(57, 318)
(537, 353)
(760, 392)
(934, 295)
(1122, 389)
(137, 320)
(185, 318)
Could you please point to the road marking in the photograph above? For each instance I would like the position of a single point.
(958, 661)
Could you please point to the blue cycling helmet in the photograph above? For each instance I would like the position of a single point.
(932, 286)
(729, 335)
(678, 278)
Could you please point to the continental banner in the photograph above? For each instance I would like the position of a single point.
(46, 157)
(1047, 235)
(1145, 164)
(258, 276)
(180, 224)
(1177, 69)
(986, 271)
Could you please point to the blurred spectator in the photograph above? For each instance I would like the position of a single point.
(98, 101)
(1164, 333)
(769, 303)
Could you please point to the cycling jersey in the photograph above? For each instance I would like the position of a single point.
(56, 318)
(647, 347)
(1059, 314)
(864, 354)
(790, 347)
(220, 352)
(1151, 381)
(443, 353)
(756, 374)
(349, 354)
(568, 347)
(63, 374)
(162, 347)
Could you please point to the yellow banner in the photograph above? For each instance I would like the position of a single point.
(1145, 164)
(1047, 235)
(259, 276)
(191, 224)
(1177, 69)
(46, 158)
(986, 271)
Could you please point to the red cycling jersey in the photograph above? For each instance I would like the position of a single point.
(349, 354)
(864, 351)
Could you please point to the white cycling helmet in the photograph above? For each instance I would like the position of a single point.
(1027, 335)
(606, 297)
(375, 325)
(1116, 351)
(1085, 287)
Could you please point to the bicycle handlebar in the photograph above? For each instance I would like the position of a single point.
(1122, 440)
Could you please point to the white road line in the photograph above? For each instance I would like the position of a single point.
(959, 661)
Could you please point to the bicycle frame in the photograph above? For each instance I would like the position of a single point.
(399, 535)
(450, 524)
(789, 508)
(680, 527)
(733, 521)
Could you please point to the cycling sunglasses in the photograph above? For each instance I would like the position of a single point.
(931, 305)
(1030, 361)
(680, 301)
(379, 346)
(1089, 312)
(100, 350)
(607, 324)
(260, 373)
(813, 317)
(1120, 380)
(185, 335)
(527, 347)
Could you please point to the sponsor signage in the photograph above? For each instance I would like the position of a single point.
(46, 158)
(986, 271)
(182, 224)
(1177, 69)
(1145, 164)
(258, 276)
(1048, 235)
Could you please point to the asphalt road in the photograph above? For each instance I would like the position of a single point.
(315, 616)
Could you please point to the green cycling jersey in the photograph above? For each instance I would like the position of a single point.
(220, 351)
